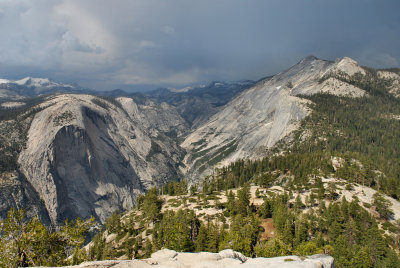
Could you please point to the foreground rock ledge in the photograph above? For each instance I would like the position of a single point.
(227, 258)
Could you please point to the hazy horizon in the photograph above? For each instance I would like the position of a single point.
(147, 44)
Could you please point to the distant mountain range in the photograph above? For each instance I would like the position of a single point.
(29, 87)
(197, 104)
(68, 152)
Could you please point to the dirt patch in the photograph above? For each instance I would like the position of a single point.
(269, 229)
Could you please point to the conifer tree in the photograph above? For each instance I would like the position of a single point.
(382, 206)
(201, 241)
(212, 237)
(300, 231)
(298, 204)
(27, 242)
(231, 204)
(361, 258)
(242, 205)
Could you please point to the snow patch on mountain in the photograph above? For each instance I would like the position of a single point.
(39, 82)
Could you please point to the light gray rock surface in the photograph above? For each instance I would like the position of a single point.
(225, 259)
(262, 115)
(87, 156)
(395, 77)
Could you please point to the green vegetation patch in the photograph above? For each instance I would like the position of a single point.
(63, 118)
(210, 160)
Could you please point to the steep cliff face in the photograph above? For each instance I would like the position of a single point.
(259, 117)
(89, 156)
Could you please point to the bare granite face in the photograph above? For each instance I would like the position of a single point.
(259, 117)
(86, 156)
(225, 259)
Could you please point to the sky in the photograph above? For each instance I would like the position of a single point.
(144, 44)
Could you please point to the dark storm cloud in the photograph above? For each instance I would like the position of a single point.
(107, 44)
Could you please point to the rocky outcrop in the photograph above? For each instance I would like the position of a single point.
(226, 258)
(87, 155)
(395, 78)
(90, 156)
(256, 119)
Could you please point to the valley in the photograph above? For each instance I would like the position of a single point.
(303, 162)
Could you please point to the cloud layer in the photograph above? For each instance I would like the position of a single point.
(146, 43)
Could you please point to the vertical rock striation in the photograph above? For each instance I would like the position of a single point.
(88, 156)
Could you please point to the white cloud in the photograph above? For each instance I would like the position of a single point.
(147, 44)
(107, 43)
(70, 42)
(140, 73)
(85, 31)
(168, 30)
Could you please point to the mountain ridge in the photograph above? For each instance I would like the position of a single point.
(265, 113)
(247, 124)
(306, 161)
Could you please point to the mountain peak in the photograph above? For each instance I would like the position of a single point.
(310, 58)
(4, 81)
(349, 66)
(31, 81)
(307, 62)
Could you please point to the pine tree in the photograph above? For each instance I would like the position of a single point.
(312, 199)
(298, 204)
(148, 248)
(96, 251)
(341, 251)
(287, 234)
(113, 223)
(242, 205)
(231, 204)
(361, 258)
(212, 238)
(300, 231)
(202, 237)
(375, 243)
(242, 236)
(151, 205)
(382, 206)
(334, 231)
(332, 195)
(266, 209)
(257, 193)
(28, 242)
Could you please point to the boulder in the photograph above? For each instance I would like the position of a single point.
(166, 258)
